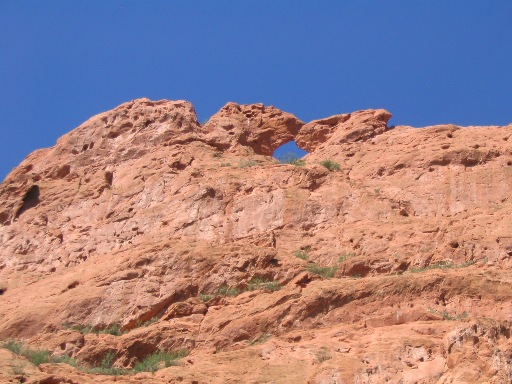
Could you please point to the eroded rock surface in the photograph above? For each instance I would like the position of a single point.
(393, 266)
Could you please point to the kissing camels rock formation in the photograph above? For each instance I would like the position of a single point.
(190, 237)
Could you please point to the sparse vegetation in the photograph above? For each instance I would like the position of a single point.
(331, 165)
(36, 356)
(345, 256)
(441, 265)
(206, 297)
(323, 354)
(228, 291)
(447, 316)
(225, 164)
(302, 254)
(113, 329)
(258, 283)
(158, 360)
(13, 346)
(291, 158)
(325, 272)
(261, 339)
(247, 163)
(147, 323)
(106, 366)
(18, 369)
(254, 284)
(151, 363)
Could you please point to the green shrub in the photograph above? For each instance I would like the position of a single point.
(206, 297)
(65, 359)
(112, 329)
(323, 354)
(261, 339)
(331, 165)
(447, 316)
(18, 369)
(258, 283)
(226, 291)
(345, 256)
(247, 163)
(157, 360)
(37, 356)
(106, 366)
(147, 323)
(302, 254)
(441, 265)
(325, 272)
(13, 346)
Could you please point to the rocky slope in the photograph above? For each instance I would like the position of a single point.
(170, 235)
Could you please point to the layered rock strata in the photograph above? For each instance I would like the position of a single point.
(385, 257)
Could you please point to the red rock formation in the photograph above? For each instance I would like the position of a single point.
(392, 259)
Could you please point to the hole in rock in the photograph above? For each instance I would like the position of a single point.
(74, 284)
(30, 200)
(109, 178)
(4, 218)
(289, 153)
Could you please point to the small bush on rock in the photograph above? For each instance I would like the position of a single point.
(325, 272)
(267, 285)
(331, 165)
(158, 360)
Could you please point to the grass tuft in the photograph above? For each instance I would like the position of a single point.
(247, 163)
(345, 256)
(441, 265)
(113, 329)
(258, 283)
(13, 346)
(447, 316)
(331, 165)
(302, 254)
(151, 363)
(323, 354)
(227, 291)
(158, 360)
(325, 272)
(291, 158)
(206, 297)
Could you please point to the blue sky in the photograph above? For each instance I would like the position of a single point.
(427, 62)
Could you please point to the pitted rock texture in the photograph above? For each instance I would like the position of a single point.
(393, 267)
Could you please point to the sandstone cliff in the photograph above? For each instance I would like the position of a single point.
(390, 262)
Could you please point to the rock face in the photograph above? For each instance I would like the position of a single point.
(385, 257)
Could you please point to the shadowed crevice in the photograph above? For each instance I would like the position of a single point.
(30, 200)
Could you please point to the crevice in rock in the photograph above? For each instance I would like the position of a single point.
(109, 178)
(4, 218)
(30, 200)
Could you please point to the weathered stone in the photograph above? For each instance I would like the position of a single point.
(392, 249)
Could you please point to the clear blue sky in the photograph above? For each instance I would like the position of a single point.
(427, 62)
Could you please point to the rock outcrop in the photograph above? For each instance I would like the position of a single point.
(384, 257)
